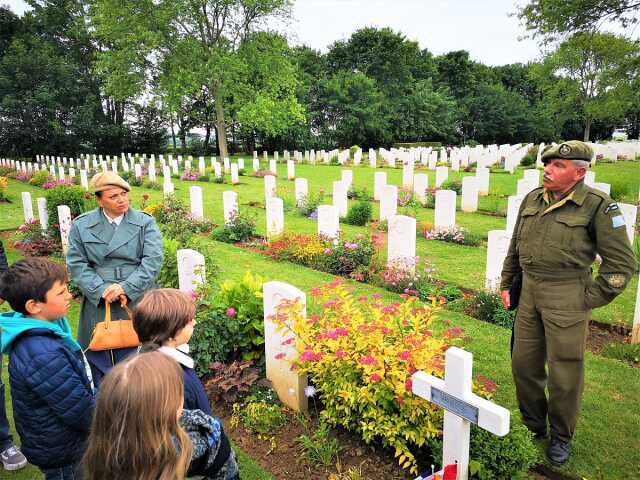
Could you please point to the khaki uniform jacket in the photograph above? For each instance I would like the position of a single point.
(560, 241)
(98, 257)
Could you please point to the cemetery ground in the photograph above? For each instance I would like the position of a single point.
(606, 438)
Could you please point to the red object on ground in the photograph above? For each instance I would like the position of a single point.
(450, 472)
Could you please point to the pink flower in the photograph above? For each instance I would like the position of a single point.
(408, 384)
(404, 355)
(310, 356)
(367, 360)
(375, 377)
(454, 332)
(341, 353)
(230, 312)
(288, 341)
(328, 251)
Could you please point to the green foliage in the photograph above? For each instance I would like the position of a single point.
(71, 196)
(353, 149)
(434, 145)
(455, 185)
(229, 323)
(319, 447)
(310, 203)
(240, 227)
(487, 306)
(39, 178)
(148, 184)
(625, 352)
(260, 417)
(530, 157)
(496, 458)
(450, 292)
(359, 213)
(176, 221)
(168, 276)
(359, 193)
(135, 181)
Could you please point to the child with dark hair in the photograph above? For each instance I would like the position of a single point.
(164, 320)
(51, 385)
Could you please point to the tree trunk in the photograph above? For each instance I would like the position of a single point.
(207, 136)
(220, 126)
(587, 129)
(173, 135)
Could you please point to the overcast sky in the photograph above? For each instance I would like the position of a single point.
(482, 27)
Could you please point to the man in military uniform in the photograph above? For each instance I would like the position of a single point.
(559, 230)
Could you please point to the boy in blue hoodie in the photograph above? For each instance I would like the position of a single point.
(51, 387)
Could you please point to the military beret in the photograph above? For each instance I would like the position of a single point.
(569, 150)
(106, 180)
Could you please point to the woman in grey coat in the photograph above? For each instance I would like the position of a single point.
(114, 250)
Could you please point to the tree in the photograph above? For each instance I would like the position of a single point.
(589, 77)
(189, 46)
(553, 19)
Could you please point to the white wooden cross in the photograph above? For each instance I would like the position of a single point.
(462, 407)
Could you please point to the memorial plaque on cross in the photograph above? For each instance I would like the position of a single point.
(462, 408)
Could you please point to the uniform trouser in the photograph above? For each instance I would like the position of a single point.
(551, 327)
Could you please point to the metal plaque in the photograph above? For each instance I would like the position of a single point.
(454, 405)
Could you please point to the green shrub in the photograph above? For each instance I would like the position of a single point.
(493, 457)
(229, 323)
(168, 276)
(309, 204)
(353, 149)
(39, 178)
(152, 185)
(71, 196)
(359, 193)
(239, 228)
(435, 145)
(219, 179)
(319, 447)
(359, 213)
(450, 292)
(530, 157)
(176, 221)
(203, 178)
(135, 181)
(261, 417)
(487, 306)
(625, 352)
(455, 185)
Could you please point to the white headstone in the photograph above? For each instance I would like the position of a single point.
(152, 172)
(603, 187)
(482, 174)
(513, 206)
(229, 205)
(630, 214)
(445, 215)
(137, 168)
(61, 172)
(401, 242)
(241, 163)
(269, 186)
(388, 202)
(273, 167)
(168, 187)
(407, 175)
(469, 201)
(301, 189)
(256, 164)
(217, 169)
(275, 216)
(195, 195)
(497, 247)
(235, 179)
(191, 269)
(455, 391)
(64, 221)
(347, 178)
(442, 173)
(328, 221)
(372, 158)
(227, 164)
(27, 207)
(420, 185)
(379, 181)
(279, 350)
(291, 170)
(340, 198)
(590, 178)
(42, 212)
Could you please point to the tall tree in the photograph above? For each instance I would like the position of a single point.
(190, 46)
(589, 76)
(550, 20)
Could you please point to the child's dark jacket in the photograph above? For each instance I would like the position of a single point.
(53, 399)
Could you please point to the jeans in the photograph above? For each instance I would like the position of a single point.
(68, 472)
(5, 437)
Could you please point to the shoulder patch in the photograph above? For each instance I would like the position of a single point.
(611, 207)
(618, 221)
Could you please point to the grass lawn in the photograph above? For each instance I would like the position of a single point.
(444, 256)
(606, 440)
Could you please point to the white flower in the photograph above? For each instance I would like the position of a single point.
(309, 391)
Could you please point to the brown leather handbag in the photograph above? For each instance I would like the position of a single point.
(114, 334)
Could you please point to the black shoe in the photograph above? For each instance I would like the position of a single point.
(558, 452)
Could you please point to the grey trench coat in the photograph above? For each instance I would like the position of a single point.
(97, 257)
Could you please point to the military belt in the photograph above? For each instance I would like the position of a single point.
(559, 274)
(115, 273)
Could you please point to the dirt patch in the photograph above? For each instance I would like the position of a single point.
(280, 454)
(600, 337)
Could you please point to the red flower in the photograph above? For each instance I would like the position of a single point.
(404, 355)
(367, 360)
(309, 356)
(408, 385)
(375, 377)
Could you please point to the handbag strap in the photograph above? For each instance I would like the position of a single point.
(107, 310)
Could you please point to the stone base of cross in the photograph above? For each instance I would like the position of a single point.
(462, 407)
